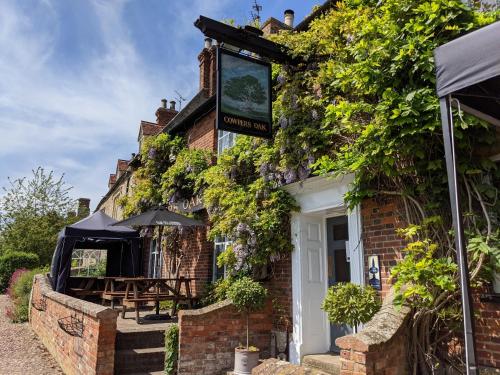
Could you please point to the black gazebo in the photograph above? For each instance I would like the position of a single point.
(97, 232)
(468, 76)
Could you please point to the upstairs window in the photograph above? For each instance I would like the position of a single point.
(225, 140)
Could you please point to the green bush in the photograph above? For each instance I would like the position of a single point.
(247, 295)
(216, 291)
(351, 304)
(12, 261)
(171, 349)
(20, 291)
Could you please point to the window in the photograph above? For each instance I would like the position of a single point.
(155, 260)
(220, 245)
(225, 140)
(88, 262)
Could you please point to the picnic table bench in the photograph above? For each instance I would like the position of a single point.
(87, 286)
(135, 291)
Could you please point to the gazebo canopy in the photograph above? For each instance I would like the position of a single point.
(468, 68)
(96, 232)
(467, 75)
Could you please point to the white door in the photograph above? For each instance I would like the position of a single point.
(311, 329)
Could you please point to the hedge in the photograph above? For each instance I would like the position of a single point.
(12, 261)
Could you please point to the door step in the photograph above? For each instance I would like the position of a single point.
(327, 362)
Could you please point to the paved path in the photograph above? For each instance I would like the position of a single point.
(21, 352)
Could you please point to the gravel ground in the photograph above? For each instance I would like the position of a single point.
(21, 352)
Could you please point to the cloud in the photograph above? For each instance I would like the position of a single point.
(76, 79)
(78, 117)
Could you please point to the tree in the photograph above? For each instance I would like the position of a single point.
(247, 295)
(33, 211)
(246, 89)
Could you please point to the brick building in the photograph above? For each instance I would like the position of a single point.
(331, 244)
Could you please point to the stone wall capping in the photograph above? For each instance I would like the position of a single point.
(88, 308)
(379, 330)
(206, 309)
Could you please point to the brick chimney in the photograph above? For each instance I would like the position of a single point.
(164, 114)
(208, 67)
(274, 26)
(83, 207)
(112, 180)
(289, 16)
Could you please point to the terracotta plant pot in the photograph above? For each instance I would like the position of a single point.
(245, 360)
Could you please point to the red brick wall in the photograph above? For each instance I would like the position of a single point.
(487, 332)
(208, 336)
(94, 351)
(203, 134)
(380, 348)
(280, 291)
(380, 218)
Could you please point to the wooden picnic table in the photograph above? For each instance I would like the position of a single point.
(138, 290)
(87, 286)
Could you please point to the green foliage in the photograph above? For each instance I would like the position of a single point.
(181, 179)
(157, 154)
(252, 211)
(351, 304)
(171, 349)
(13, 261)
(33, 212)
(217, 291)
(364, 101)
(247, 295)
(20, 291)
(166, 305)
(421, 277)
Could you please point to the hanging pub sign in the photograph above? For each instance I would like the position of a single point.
(243, 94)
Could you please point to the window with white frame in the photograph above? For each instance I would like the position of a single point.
(225, 140)
(220, 245)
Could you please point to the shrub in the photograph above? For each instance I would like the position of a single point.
(216, 291)
(247, 295)
(171, 349)
(348, 303)
(12, 261)
(19, 291)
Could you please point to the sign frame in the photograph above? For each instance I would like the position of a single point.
(251, 129)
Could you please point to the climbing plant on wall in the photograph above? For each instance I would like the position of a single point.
(368, 73)
(362, 101)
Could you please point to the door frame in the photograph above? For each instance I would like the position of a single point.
(320, 197)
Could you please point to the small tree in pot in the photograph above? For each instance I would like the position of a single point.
(248, 296)
(351, 304)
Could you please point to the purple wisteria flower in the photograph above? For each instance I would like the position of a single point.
(152, 153)
(314, 114)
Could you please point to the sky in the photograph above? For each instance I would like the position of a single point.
(77, 77)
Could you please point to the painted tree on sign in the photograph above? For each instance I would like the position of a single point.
(246, 89)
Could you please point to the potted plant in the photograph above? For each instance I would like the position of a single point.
(351, 304)
(247, 295)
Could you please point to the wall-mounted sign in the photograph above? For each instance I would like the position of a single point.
(374, 272)
(243, 94)
(192, 204)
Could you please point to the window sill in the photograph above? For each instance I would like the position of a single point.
(490, 297)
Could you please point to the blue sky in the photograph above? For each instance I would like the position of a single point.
(77, 77)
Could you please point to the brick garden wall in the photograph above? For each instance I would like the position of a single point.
(380, 348)
(208, 336)
(94, 351)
